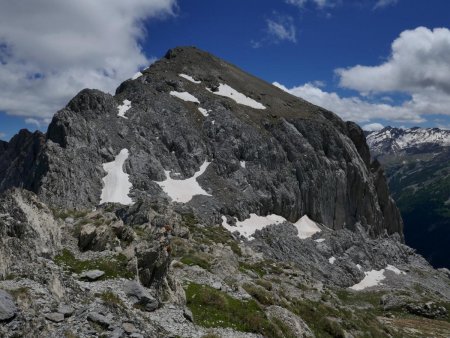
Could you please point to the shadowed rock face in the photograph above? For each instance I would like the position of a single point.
(19, 160)
(299, 158)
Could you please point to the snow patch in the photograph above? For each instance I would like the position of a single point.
(227, 91)
(319, 240)
(189, 78)
(242, 163)
(185, 96)
(248, 227)
(184, 190)
(116, 183)
(205, 112)
(395, 270)
(332, 260)
(374, 277)
(123, 108)
(136, 76)
(306, 227)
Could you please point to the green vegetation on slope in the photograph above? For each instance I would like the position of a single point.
(113, 267)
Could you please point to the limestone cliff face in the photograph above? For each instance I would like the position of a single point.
(291, 158)
(19, 160)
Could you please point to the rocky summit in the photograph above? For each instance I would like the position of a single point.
(201, 201)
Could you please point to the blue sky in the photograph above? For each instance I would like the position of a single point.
(311, 48)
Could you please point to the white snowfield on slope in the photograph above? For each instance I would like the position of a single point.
(409, 138)
(226, 91)
(123, 108)
(247, 228)
(184, 190)
(116, 184)
(374, 278)
(189, 78)
(205, 112)
(185, 96)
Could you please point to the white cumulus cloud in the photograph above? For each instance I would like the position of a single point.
(372, 126)
(353, 108)
(419, 60)
(419, 65)
(51, 49)
(281, 27)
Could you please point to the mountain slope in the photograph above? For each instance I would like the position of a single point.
(417, 164)
(200, 201)
(299, 158)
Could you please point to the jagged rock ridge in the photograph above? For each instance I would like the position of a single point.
(391, 140)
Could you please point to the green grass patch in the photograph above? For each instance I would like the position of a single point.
(213, 308)
(114, 267)
(360, 297)
(111, 299)
(261, 268)
(265, 284)
(328, 321)
(263, 296)
(211, 234)
(20, 293)
(63, 214)
(196, 259)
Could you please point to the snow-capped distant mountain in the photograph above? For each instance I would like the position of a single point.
(393, 140)
(417, 165)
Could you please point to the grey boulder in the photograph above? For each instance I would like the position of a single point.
(140, 296)
(92, 275)
(55, 317)
(7, 307)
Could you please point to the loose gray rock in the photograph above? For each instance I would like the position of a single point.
(117, 333)
(99, 319)
(92, 275)
(65, 309)
(296, 325)
(8, 308)
(140, 296)
(136, 335)
(129, 327)
(188, 315)
(55, 317)
(428, 310)
(445, 271)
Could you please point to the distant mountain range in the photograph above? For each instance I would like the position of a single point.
(417, 164)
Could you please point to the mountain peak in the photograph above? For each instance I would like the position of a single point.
(191, 108)
(394, 140)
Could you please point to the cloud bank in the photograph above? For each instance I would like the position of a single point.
(418, 67)
(352, 108)
(51, 49)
